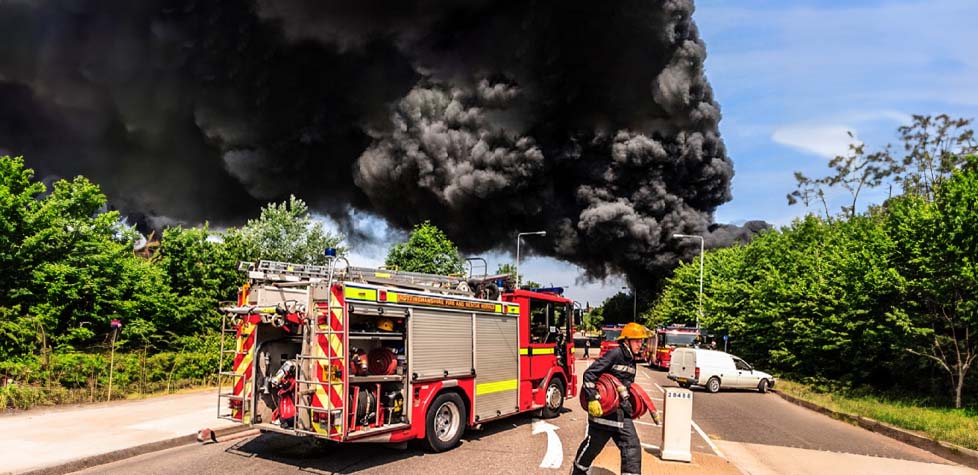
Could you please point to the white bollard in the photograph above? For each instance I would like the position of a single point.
(677, 414)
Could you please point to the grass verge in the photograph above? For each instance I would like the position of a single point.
(957, 426)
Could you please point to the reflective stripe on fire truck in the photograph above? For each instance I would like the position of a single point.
(536, 351)
(359, 293)
(495, 387)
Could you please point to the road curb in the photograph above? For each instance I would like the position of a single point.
(121, 454)
(954, 453)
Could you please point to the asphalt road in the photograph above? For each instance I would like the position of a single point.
(510, 446)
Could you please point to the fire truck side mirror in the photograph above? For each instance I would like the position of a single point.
(578, 317)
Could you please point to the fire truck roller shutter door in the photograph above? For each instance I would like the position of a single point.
(497, 365)
(441, 344)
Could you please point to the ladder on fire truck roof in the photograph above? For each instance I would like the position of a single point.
(303, 274)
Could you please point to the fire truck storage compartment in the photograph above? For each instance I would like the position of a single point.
(441, 344)
(497, 365)
(376, 396)
(270, 355)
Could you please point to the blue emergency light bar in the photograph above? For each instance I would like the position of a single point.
(551, 290)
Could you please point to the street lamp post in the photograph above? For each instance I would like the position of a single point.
(701, 271)
(519, 237)
(634, 303)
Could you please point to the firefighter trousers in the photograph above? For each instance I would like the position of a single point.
(599, 430)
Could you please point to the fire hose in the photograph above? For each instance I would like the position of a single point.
(382, 361)
(607, 388)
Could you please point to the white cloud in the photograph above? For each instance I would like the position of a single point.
(823, 140)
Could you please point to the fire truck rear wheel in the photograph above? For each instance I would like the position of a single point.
(445, 422)
(713, 385)
(555, 399)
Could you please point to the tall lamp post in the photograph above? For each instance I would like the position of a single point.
(519, 237)
(634, 303)
(680, 236)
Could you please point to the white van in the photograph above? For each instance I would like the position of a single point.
(712, 369)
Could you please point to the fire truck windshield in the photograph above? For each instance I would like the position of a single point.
(611, 335)
(678, 339)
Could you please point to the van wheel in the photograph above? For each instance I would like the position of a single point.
(713, 385)
(762, 386)
(555, 399)
(444, 422)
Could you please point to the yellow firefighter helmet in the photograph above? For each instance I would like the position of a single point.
(385, 324)
(633, 331)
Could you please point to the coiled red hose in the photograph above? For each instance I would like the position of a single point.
(641, 402)
(382, 361)
(606, 387)
(607, 394)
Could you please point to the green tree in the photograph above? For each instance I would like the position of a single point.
(935, 147)
(853, 172)
(426, 250)
(69, 267)
(201, 272)
(593, 320)
(937, 249)
(284, 232)
(812, 300)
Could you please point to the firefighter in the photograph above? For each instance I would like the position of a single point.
(616, 425)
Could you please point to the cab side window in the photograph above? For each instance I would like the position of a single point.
(741, 364)
(540, 318)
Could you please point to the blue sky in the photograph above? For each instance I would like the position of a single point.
(792, 77)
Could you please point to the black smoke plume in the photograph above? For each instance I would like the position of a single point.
(591, 120)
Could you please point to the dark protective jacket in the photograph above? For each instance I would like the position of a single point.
(620, 363)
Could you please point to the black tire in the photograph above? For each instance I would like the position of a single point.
(554, 400)
(713, 385)
(685, 385)
(762, 386)
(445, 422)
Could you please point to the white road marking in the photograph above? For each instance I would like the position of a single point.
(708, 441)
(555, 450)
(650, 446)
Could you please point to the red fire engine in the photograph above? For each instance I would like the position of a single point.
(670, 338)
(354, 354)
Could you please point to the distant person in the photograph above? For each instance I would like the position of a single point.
(713, 344)
(587, 347)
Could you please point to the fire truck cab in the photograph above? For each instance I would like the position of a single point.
(371, 355)
(670, 338)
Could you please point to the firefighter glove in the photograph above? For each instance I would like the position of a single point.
(655, 417)
(594, 408)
